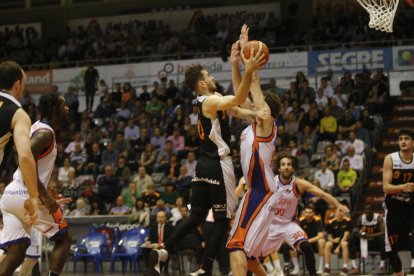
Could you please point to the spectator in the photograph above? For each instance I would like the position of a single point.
(170, 195)
(159, 231)
(325, 177)
(94, 160)
(341, 99)
(140, 214)
(194, 115)
(122, 172)
(158, 140)
(328, 126)
(356, 161)
(305, 91)
(160, 206)
(163, 159)
(143, 140)
(78, 158)
(151, 196)
(192, 140)
(90, 78)
(326, 88)
(130, 195)
(64, 171)
(77, 140)
(336, 111)
(71, 98)
(346, 124)
(175, 211)
(291, 125)
(332, 159)
(338, 230)
(108, 185)
(120, 209)
(183, 183)
(132, 132)
(321, 100)
(81, 208)
(346, 177)
(109, 155)
(148, 158)
(358, 144)
(190, 163)
(362, 134)
(142, 180)
(173, 168)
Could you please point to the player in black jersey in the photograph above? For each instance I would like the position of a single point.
(214, 182)
(15, 123)
(398, 186)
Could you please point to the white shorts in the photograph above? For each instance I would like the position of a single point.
(15, 228)
(250, 229)
(34, 250)
(291, 233)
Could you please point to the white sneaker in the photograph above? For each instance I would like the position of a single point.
(276, 272)
(320, 271)
(295, 271)
(198, 272)
(155, 257)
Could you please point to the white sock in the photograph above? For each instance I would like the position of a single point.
(269, 266)
(354, 264)
(327, 266)
(277, 264)
(321, 262)
(295, 262)
(382, 264)
(157, 268)
(345, 265)
(412, 262)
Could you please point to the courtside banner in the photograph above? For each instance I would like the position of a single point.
(354, 60)
(403, 58)
(179, 20)
(39, 81)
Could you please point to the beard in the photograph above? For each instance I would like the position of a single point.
(212, 87)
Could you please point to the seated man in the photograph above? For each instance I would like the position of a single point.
(338, 230)
(346, 178)
(371, 234)
(312, 224)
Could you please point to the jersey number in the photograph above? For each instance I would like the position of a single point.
(279, 211)
(407, 177)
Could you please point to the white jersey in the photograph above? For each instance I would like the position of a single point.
(373, 222)
(256, 154)
(286, 202)
(46, 161)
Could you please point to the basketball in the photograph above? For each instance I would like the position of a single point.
(257, 46)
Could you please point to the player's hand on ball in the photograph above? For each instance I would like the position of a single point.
(254, 61)
(31, 206)
(244, 35)
(235, 53)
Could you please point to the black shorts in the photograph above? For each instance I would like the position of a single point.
(213, 187)
(399, 221)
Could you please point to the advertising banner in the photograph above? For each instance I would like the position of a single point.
(182, 19)
(403, 58)
(26, 29)
(39, 81)
(349, 60)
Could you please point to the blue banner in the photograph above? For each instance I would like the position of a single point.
(349, 60)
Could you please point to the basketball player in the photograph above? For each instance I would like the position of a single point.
(16, 123)
(214, 182)
(15, 235)
(283, 227)
(254, 214)
(398, 186)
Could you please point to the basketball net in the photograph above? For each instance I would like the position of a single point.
(381, 13)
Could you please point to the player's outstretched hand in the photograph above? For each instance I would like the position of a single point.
(244, 35)
(235, 53)
(254, 61)
(32, 209)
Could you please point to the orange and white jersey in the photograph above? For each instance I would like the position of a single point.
(46, 161)
(256, 154)
(287, 201)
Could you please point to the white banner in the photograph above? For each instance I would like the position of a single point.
(179, 20)
(403, 58)
(279, 66)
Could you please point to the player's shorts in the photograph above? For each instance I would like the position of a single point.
(291, 233)
(398, 224)
(15, 228)
(213, 187)
(254, 216)
(34, 250)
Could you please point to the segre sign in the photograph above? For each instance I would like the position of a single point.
(349, 60)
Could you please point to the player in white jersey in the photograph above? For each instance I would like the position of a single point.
(253, 217)
(284, 228)
(15, 236)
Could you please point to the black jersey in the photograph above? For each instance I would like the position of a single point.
(214, 133)
(8, 107)
(313, 227)
(402, 173)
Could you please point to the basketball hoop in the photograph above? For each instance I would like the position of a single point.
(381, 13)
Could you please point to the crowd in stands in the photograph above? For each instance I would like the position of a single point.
(208, 36)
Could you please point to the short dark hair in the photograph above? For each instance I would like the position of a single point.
(10, 72)
(274, 103)
(193, 75)
(48, 104)
(405, 131)
(285, 155)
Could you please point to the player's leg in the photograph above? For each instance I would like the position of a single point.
(328, 249)
(238, 263)
(27, 266)
(60, 252)
(393, 224)
(321, 252)
(255, 267)
(345, 256)
(32, 254)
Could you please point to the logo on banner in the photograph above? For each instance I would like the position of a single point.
(405, 57)
(348, 60)
(39, 81)
(171, 68)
